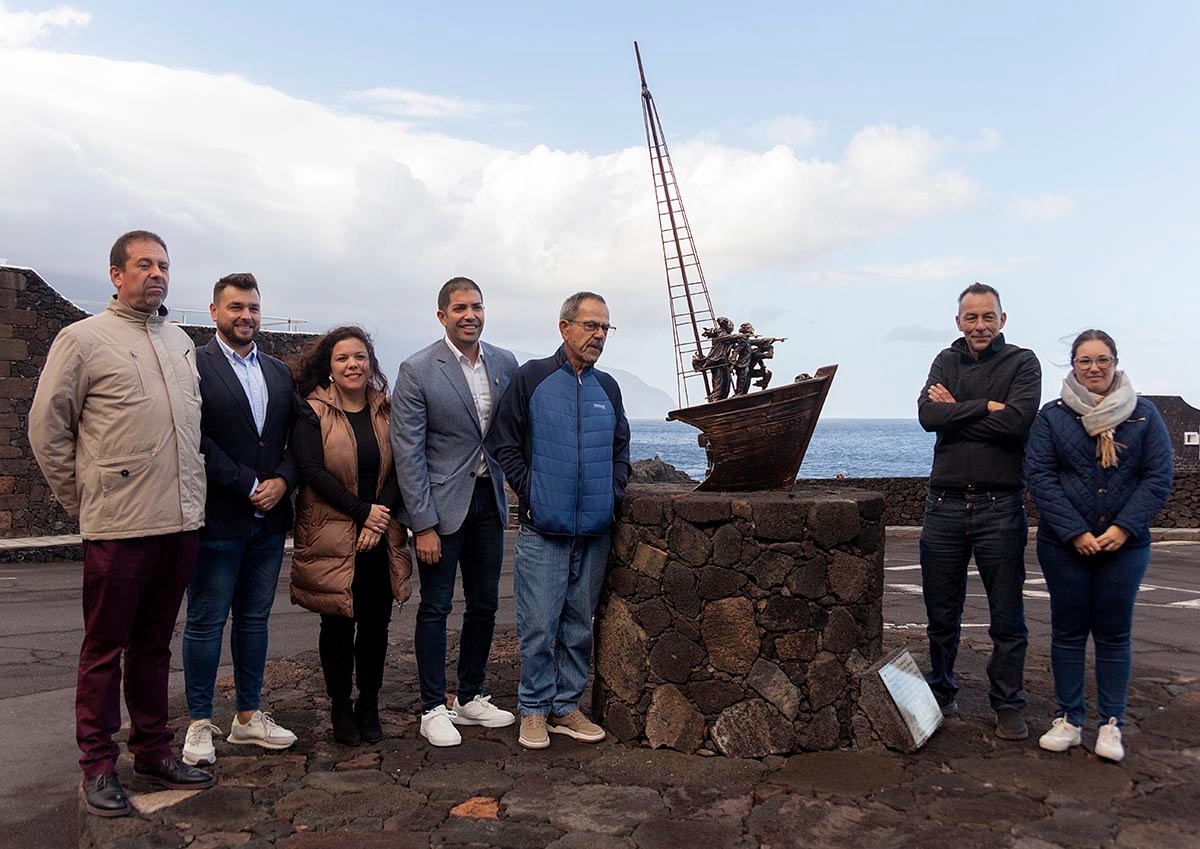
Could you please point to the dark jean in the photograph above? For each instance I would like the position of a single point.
(991, 526)
(1091, 595)
(238, 574)
(477, 549)
(131, 594)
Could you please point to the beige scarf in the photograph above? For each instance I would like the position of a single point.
(1101, 415)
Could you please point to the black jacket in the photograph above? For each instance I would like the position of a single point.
(975, 447)
(234, 453)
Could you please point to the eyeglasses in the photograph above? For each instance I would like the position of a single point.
(1103, 362)
(593, 326)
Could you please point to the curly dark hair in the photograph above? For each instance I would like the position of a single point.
(313, 370)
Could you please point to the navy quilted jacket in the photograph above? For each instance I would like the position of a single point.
(1075, 494)
(563, 442)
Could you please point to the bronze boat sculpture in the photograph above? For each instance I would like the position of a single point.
(753, 440)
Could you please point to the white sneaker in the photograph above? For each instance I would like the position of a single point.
(1061, 736)
(198, 747)
(481, 711)
(1108, 742)
(261, 730)
(437, 726)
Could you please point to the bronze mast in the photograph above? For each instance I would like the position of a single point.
(691, 307)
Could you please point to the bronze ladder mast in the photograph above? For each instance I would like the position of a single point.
(691, 307)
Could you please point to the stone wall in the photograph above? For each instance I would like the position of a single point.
(1181, 418)
(904, 499)
(31, 314)
(739, 624)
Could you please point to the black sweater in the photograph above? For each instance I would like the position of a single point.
(974, 447)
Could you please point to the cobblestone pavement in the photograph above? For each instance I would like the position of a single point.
(964, 789)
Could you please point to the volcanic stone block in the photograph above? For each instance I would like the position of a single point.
(672, 658)
(771, 568)
(716, 694)
(773, 685)
(716, 582)
(834, 521)
(689, 543)
(673, 722)
(623, 661)
(730, 634)
(648, 560)
(679, 589)
(752, 729)
(826, 680)
(808, 578)
(727, 545)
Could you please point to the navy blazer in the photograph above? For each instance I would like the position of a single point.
(234, 453)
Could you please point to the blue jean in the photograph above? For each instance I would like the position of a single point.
(556, 581)
(1091, 595)
(477, 548)
(992, 527)
(240, 573)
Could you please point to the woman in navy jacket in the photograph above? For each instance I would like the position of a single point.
(1099, 466)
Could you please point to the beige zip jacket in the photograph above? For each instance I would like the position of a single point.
(115, 425)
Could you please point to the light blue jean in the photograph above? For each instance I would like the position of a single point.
(556, 582)
(241, 574)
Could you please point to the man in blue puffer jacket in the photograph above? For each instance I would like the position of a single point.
(561, 436)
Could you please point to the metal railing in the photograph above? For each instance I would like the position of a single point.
(183, 315)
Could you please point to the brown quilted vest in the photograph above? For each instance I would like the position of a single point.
(323, 560)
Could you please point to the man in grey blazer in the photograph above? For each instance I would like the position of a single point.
(454, 498)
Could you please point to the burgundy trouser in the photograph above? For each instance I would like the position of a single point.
(132, 589)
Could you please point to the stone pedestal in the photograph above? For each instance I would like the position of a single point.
(738, 623)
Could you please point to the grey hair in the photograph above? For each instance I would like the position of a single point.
(570, 307)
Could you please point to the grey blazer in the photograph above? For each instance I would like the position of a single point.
(436, 437)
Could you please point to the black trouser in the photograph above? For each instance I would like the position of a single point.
(341, 648)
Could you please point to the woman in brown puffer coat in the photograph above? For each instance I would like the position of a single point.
(351, 557)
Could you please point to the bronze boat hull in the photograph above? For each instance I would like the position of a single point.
(757, 441)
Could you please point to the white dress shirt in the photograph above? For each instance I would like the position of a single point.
(481, 394)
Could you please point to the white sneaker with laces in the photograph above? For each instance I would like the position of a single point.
(1061, 736)
(1108, 742)
(198, 749)
(437, 726)
(481, 711)
(261, 730)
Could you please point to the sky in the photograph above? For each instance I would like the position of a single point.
(847, 169)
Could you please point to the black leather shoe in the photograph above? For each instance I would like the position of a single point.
(174, 774)
(345, 728)
(366, 717)
(105, 797)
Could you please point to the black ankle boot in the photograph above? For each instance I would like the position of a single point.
(345, 729)
(366, 716)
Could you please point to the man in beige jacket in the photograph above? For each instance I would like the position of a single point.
(115, 427)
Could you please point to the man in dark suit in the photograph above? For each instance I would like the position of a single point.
(246, 420)
(454, 499)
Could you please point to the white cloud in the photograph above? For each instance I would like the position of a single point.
(1040, 207)
(933, 268)
(406, 103)
(353, 217)
(795, 131)
(19, 29)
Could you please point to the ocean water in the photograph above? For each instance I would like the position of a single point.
(860, 448)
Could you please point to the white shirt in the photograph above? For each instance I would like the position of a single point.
(481, 394)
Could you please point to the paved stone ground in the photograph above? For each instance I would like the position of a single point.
(964, 789)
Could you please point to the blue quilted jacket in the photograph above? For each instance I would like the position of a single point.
(1075, 494)
(563, 442)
